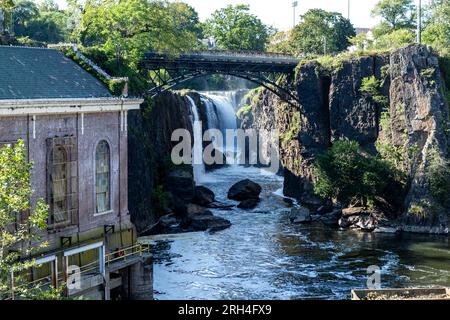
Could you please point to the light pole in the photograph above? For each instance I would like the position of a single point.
(419, 22)
(294, 5)
(348, 9)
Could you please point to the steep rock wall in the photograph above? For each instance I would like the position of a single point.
(333, 106)
(419, 125)
(149, 149)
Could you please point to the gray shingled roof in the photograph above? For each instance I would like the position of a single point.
(40, 73)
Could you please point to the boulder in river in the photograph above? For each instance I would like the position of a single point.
(203, 196)
(249, 203)
(300, 215)
(360, 218)
(332, 218)
(243, 190)
(203, 222)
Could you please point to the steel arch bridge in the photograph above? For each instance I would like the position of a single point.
(261, 68)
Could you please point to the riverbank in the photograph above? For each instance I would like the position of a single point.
(264, 256)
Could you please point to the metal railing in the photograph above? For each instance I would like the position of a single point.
(120, 254)
(124, 253)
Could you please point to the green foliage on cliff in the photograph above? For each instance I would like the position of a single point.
(438, 175)
(345, 174)
(293, 129)
(372, 87)
(243, 111)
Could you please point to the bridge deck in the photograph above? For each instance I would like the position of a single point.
(217, 61)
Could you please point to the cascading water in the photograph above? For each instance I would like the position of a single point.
(197, 154)
(221, 114)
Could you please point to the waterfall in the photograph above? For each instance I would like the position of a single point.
(221, 114)
(197, 153)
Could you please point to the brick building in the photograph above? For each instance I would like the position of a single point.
(75, 132)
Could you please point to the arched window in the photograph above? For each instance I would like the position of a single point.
(102, 177)
(58, 192)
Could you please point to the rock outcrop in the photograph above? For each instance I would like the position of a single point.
(410, 113)
(419, 125)
(149, 149)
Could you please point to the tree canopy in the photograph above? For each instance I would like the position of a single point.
(235, 28)
(321, 32)
(395, 14)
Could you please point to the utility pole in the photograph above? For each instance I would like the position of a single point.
(294, 5)
(419, 22)
(348, 9)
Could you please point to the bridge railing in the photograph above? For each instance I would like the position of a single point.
(224, 54)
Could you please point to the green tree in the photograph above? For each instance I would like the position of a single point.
(235, 28)
(347, 175)
(394, 39)
(437, 32)
(20, 223)
(395, 15)
(44, 23)
(126, 29)
(280, 42)
(321, 31)
(7, 6)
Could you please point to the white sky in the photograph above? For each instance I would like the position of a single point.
(279, 13)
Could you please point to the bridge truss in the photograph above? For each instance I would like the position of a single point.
(263, 69)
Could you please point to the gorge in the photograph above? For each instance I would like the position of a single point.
(262, 254)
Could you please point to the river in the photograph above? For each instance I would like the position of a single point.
(263, 256)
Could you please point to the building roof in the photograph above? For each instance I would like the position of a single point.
(41, 73)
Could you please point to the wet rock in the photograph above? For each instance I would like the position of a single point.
(380, 229)
(324, 209)
(203, 196)
(168, 220)
(194, 209)
(332, 218)
(299, 215)
(209, 222)
(353, 211)
(243, 190)
(360, 218)
(180, 184)
(248, 204)
(220, 206)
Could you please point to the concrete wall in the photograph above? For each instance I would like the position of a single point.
(89, 129)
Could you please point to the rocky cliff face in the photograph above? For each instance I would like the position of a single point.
(149, 148)
(412, 115)
(419, 126)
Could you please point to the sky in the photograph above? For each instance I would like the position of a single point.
(280, 14)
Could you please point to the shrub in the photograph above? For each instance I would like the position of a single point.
(345, 174)
(372, 86)
(243, 111)
(438, 175)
